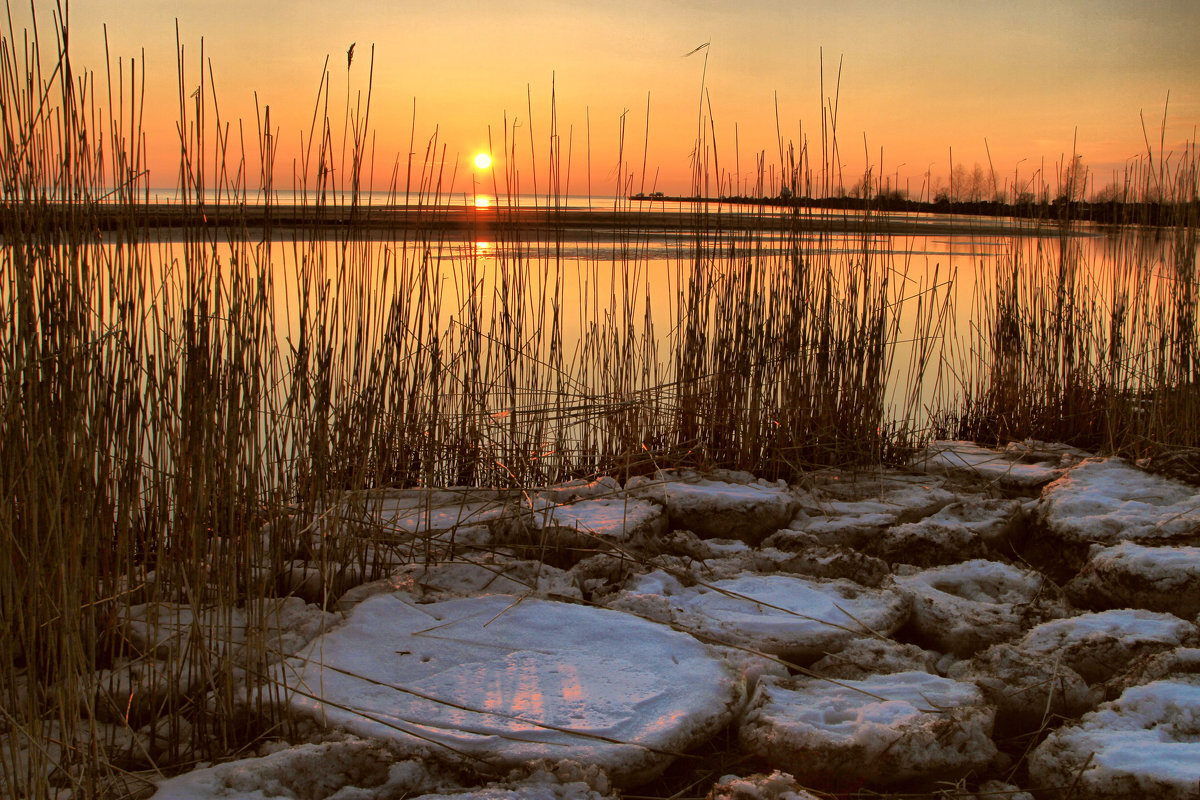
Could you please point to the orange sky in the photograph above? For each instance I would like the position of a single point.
(918, 79)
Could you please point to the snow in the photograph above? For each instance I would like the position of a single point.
(1019, 467)
(791, 616)
(1105, 500)
(1147, 742)
(884, 729)
(1098, 645)
(962, 608)
(718, 509)
(1130, 575)
(501, 681)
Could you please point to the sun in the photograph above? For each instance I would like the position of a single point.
(483, 161)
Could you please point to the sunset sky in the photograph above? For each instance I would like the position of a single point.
(918, 79)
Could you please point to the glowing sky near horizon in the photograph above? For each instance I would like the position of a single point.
(918, 79)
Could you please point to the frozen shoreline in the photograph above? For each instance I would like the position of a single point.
(878, 629)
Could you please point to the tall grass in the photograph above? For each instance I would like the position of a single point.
(1100, 352)
(181, 407)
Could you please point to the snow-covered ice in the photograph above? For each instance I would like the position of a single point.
(959, 532)
(962, 608)
(1025, 688)
(776, 786)
(500, 681)
(1099, 645)
(883, 730)
(1180, 662)
(281, 626)
(850, 510)
(804, 554)
(791, 616)
(345, 769)
(564, 533)
(1020, 467)
(1130, 575)
(718, 509)
(863, 658)
(483, 573)
(1144, 744)
(1107, 501)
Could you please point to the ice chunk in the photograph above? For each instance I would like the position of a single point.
(959, 532)
(851, 509)
(1098, 645)
(1020, 467)
(1144, 744)
(718, 509)
(501, 681)
(1026, 688)
(965, 607)
(883, 730)
(563, 534)
(803, 553)
(1131, 575)
(1107, 501)
(485, 573)
(1182, 661)
(863, 658)
(795, 617)
(776, 786)
(350, 767)
(280, 626)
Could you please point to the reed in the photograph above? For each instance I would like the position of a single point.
(1100, 353)
(183, 408)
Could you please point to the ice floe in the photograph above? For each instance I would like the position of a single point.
(787, 615)
(863, 658)
(881, 730)
(1020, 467)
(479, 574)
(962, 608)
(1130, 575)
(1026, 688)
(1107, 501)
(345, 768)
(278, 625)
(718, 509)
(851, 510)
(776, 786)
(959, 532)
(1144, 744)
(497, 681)
(1099, 645)
(562, 534)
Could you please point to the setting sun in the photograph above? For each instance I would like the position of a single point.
(482, 202)
(483, 161)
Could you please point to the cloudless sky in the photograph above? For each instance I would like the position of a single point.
(918, 79)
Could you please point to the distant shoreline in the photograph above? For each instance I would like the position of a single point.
(711, 216)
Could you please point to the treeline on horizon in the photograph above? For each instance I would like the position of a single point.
(1114, 212)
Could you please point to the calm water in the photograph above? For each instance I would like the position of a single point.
(593, 287)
